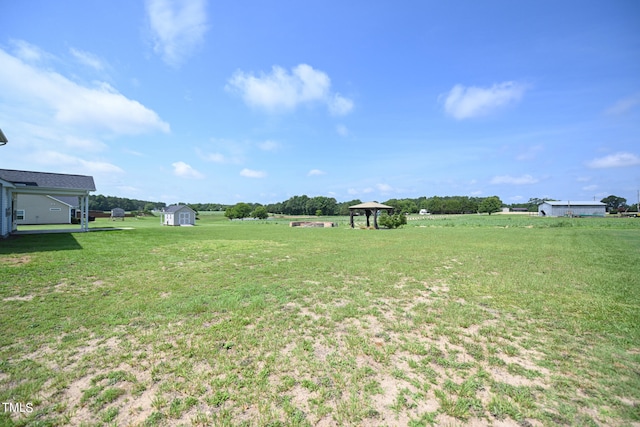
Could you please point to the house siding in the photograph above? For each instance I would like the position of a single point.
(40, 209)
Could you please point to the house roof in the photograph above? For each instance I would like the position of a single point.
(48, 180)
(572, 203)
(175, 208)
(72, 201)
(371, 205)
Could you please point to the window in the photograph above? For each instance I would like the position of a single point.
(20, 214)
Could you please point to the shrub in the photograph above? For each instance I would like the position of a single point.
(392, 221)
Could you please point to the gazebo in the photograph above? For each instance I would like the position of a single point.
(369, 208)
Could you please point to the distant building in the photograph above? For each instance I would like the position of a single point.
(178, 215)
(572, 209)
(117, 213)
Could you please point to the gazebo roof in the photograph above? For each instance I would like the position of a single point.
(370, 205)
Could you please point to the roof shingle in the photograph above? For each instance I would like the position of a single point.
(48, 180)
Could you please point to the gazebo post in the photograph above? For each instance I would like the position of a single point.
(375, 218)
(351, 217)
(367, 212)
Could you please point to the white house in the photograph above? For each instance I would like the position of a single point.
(15, 184)
(178, 215)
(571, 208)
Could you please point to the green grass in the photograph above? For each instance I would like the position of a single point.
(445, 320)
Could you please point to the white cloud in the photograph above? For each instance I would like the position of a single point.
(86, 144)
(355, 192)
(215, 157)
(185, 170)
(269, 145)
(530, 153)
(132, 152)
(590, 187)
(467, 102)
(28, 52)
(342, 130)
(226, 151)
(178, 27)
(66, 161)
(339, 105)
(281, 90)
(316, 172)
(47, 93)
(88, 59)
(617, 160)
(514, 180)
(624, 105)
(250, 173)
(384, 188)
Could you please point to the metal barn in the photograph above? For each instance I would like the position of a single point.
(572, 209)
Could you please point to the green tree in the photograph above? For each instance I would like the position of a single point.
(491, 205)
(343, 208)
(614, 203)
(260, 212)
(238, 211)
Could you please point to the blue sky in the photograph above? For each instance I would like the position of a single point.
(257, 101)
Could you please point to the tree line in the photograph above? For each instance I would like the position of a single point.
(106, 203)
(329, 206)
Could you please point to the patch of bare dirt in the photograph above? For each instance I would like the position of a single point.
(15, 261)
(19, 298)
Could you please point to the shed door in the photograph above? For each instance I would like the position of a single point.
(184, 218)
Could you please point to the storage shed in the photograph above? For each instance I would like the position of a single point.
(572, 209)
(117, 213)
(178, 215)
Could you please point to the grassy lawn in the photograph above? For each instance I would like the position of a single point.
(460, 320)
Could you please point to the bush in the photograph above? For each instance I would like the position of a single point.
(392, 221)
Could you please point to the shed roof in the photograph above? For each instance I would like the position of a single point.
(48, 180)
(175, 208)
(370, 205)
(572, 203)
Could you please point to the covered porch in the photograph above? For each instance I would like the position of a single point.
(14, 183)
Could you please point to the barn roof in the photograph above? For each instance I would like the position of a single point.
(48, 180)
(572, 203)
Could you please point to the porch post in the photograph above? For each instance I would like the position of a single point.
(84, 213)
